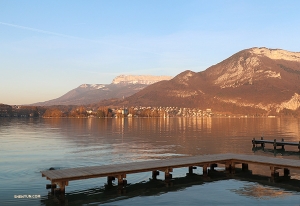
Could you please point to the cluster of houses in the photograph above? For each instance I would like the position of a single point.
(140, 111)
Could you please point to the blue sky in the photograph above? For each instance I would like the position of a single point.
(51, 47)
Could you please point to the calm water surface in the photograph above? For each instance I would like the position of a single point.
(29, 146)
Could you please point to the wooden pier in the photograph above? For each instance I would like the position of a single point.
(275, 143)
(62, 177)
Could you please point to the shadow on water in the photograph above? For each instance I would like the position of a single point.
(105, 194)
(276, 152)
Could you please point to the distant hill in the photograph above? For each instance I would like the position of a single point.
(121, 86)
(256, 80)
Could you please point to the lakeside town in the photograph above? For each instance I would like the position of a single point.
(101, 112)
(17, 111)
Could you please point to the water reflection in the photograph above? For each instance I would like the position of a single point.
(101, 195)
(105, 195)
(184, 136)
(32, 145)
(261, 192)
(277, 152)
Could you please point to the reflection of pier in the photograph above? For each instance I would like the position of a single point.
(275, 143)
(157, 187)
(119, 171)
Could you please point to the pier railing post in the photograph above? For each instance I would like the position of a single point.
(262, 144)
(274, 144)
(282, 146)
(253, 143)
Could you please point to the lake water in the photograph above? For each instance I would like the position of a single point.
(29, 146)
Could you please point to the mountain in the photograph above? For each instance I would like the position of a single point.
(121, 86)
(255, 80)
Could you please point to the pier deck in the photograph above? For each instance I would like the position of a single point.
(119, 171)
(275, 143)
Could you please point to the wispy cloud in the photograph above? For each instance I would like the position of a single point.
(78, 38)
(38, 30)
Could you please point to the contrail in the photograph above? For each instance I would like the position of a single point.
(37, 30)
(74, 37)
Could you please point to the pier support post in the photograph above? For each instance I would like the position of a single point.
(286, 172)
(121, 180)
(274, 173)
(245, 167)
(191, 168)
(212, 166)
(167, 173)
(299, 146)
(109, 180)
(62, 187)
(205, 170)
(52, 186)
(155, 174)
(168, 177)
(230, 167)
(282, 140)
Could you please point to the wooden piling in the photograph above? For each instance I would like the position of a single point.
(110, 179)
(286, 172)
(212, 166)
(205, 170)
(62, 186)
(168, 174)
(121, 179)
(155, 174)
(245, 167)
